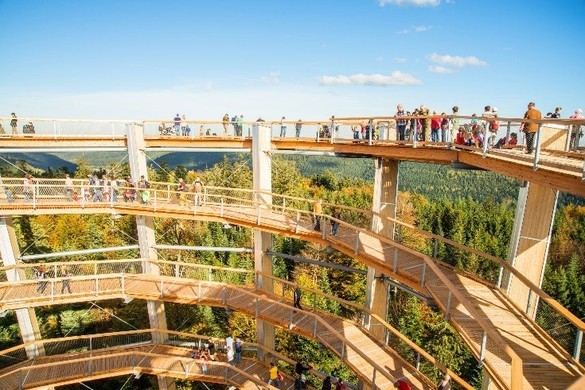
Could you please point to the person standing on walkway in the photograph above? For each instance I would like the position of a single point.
(41, 274)
(182, 191)
(273, 376)
(317, 211)
(335, 215)
(530, 129)
(576, 132)
(298, 127)
(238, 350)
(226, 123)
(297, 294)
(282, 128)
(400, 123)
(14, 123)
(69, 188)
(177, 120)
(198, 190)
(64, 273)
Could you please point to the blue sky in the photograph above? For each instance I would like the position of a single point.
(309, 59)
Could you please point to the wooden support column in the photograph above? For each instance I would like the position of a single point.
(27, 319)
(530, 242)
(384, 205)
(146, 240)
(262, 181)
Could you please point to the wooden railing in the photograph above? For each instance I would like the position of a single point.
(220, 200)
(100, 271)
(145, 357)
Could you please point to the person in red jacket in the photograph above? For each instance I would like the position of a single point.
(402, 384)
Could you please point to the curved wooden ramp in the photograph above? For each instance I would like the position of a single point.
(516, 352)
(151, 359)
(372, 362)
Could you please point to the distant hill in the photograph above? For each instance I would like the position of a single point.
(42, 161)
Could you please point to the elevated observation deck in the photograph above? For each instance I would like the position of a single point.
(508, 342)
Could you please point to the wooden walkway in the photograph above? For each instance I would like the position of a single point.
(368, 358)
(151, 359)
(497, 332)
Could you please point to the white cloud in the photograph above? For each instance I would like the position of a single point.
(440, 69)
(456, 61)
(271, 78)
(395, 78)
(400, 60)
(416, 29)
(421, 28)
(418, 3)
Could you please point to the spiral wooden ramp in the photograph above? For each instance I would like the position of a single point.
(513, 348)
(98, 356)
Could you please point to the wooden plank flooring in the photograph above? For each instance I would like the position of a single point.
(522, 335)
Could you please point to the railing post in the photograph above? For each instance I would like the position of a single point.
(529, 301)
(283, 204)
(483, 346)
(298, 220)
(154, 201)
(537, 152)
(161, 288)
(177, 270)
(34, 199)
(423, 276)
(395, 264)
(374, 379)
(435, 248)
(55, 129)
(123, 285)
(259, 215)
(500, 276)
(578, 345)
(221, 208)
(256, 309)
(323, 229)
(315, 326)
(448, 308)
(357, 244)
(417, 365)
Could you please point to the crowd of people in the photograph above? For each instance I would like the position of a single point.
(422, 125)
(105, 188)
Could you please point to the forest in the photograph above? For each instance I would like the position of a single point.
(474, 208)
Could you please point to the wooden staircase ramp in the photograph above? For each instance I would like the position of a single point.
(481, 312)
(152, 359)
(368, 358)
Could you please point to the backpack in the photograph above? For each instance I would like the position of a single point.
(494, 126)
(238, 346)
